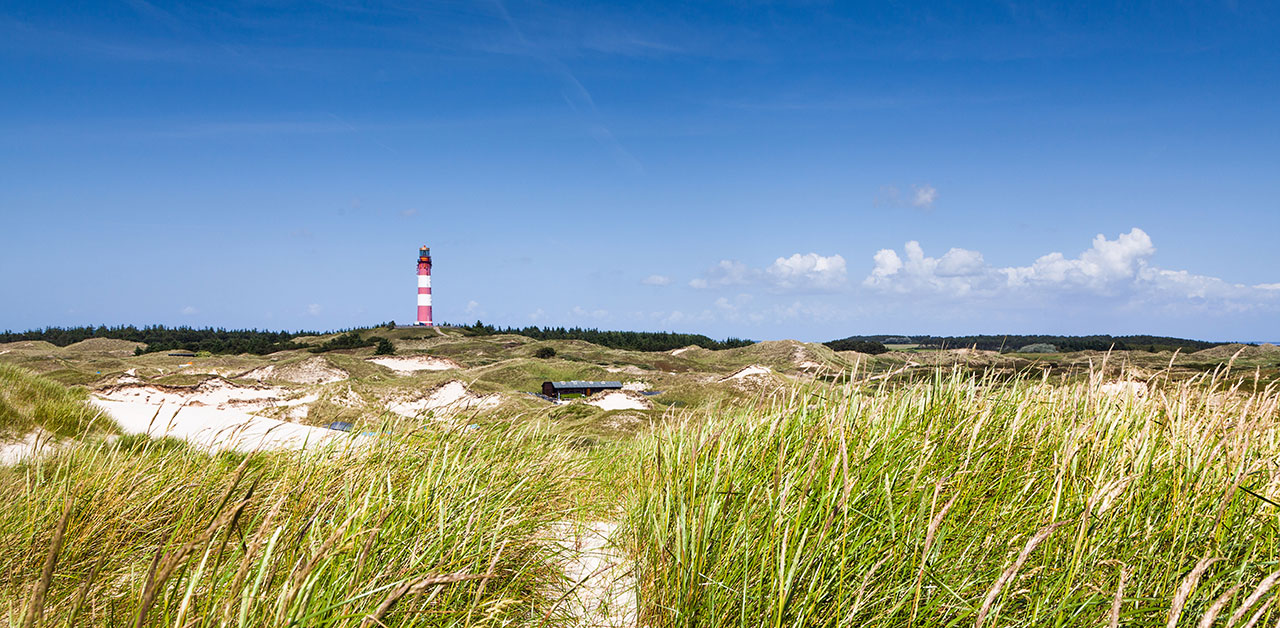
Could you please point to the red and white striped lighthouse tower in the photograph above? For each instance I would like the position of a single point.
(424, 286)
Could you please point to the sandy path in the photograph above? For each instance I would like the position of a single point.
(600, 592)
(213, 428)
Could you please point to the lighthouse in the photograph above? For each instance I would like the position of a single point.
(424, 287)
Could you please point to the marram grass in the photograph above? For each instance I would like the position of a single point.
(964, 501)
(957, 501)
(428, 528)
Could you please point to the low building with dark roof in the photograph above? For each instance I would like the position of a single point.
(577, 387)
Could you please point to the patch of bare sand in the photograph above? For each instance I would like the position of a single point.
(619, 400)
(414, 363)
(446, 399)
(216, 393)
(600, 584)
(36, 442)
(215, 429)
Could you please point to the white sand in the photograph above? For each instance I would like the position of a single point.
(413, 364)
(448, 398)
(682, 349)
(620, 400)
(216, 393)
(212, 428)
(636, 386)
(36, 442)
(755, 370)
(601, 584)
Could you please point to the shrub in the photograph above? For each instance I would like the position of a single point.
(1039, 347)
(544, 353)
(861, 346)
(384, 347)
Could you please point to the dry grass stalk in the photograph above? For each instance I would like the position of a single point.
(928, 544)
(36, 609)
(1258, 614)
(1207, 619)
(866, 579)
(1186, 588)
(1113, 618)
(83, 590)
(417, 588)
(300, 576)
(1012, 571)
(247, 561)
(172, 561)
(368, 544)
(1266, 585)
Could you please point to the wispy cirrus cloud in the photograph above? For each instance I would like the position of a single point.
(920, 196)
(801, 272)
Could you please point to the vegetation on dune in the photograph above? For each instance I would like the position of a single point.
(424, 528)
(871, 347)
(891, 495)
(28, 401)
(630, 340)
(961, 502)
(353, 340)
(1061, 343)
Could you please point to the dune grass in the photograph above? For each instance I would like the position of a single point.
(28, 401)
(427, 527)
(963, 501)
(955, 500)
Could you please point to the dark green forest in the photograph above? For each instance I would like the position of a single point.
(1015, 342)
(162, 338)
(223, 341)
(630, 340)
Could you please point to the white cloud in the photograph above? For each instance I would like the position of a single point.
(809, 271)
(726, 273)
(1108, 268)
(797, 273)
(656, 280)
(473, 307)
(189, 310)
(923, 196)
(314, 309)
(1105, 262)
(920, 196)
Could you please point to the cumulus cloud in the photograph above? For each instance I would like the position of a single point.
(809, 271)
(656, 280)
(1108, 268)
(314, 309)
(918, 196)
(800, 272)
(189, 310)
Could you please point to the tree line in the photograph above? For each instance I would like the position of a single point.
(162, 338)
(630, 340)
(1008, 343)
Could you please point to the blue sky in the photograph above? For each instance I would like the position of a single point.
(766, 170)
